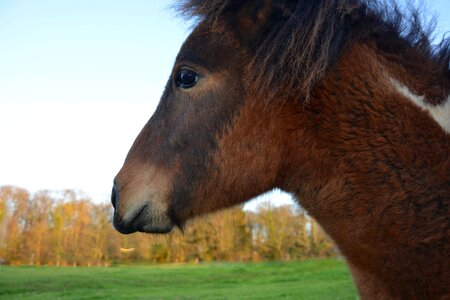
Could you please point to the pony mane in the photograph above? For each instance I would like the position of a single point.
(302, 39)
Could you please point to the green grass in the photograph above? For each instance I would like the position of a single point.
(310, 279)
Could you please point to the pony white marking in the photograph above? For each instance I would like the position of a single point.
(440, 113)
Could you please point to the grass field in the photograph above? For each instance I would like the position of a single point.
(310, 279)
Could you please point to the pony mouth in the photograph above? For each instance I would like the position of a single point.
(143, 221)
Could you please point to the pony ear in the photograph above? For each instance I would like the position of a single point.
(252, 18)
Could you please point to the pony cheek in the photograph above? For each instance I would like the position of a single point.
(234, 176)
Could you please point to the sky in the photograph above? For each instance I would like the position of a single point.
(79, 79)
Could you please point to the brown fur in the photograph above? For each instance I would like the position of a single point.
(358, 170)
(367, 163)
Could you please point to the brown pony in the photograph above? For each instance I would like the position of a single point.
(343, 103)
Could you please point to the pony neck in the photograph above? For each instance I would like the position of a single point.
(372, 168)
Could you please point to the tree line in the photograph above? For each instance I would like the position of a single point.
(66, 228)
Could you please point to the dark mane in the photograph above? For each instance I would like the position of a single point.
(302, 39)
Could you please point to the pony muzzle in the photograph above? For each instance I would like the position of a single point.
(144, 212)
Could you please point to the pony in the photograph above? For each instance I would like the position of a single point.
(342, 103)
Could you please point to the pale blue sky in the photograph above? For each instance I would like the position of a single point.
(79, 79)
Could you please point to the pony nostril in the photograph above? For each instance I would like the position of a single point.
(114, 196)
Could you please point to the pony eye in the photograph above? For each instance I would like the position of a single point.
(186, 78)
